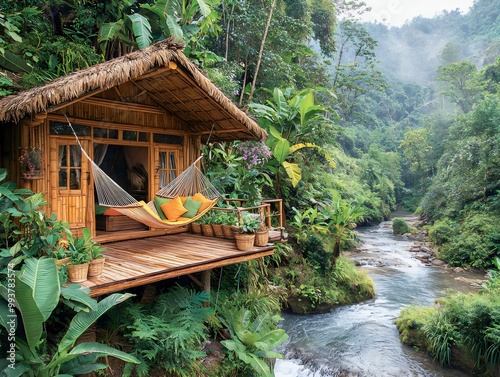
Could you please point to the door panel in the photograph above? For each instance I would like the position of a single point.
(70, 181)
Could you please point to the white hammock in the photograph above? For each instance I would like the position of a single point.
(190, 182)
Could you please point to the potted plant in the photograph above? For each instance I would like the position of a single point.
(244, 230)
(206, 224)
(230, 221)
(96, 257)
(262, 235)
(31, 161)
(218, 219)
(61, 254)
(78, 265)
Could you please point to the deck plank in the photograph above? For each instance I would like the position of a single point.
(132, 263)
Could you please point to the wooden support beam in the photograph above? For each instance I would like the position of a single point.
(205, 278)
(127, 106)
(195, 280)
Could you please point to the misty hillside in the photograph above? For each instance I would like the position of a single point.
(414, 51)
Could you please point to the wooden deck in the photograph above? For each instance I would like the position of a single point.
(133, 263)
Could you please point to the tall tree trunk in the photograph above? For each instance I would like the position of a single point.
(336, 253)
(244, 83)
(261, 50)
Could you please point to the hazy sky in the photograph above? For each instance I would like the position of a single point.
(396, 12)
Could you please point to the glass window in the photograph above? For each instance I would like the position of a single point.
(62, 128)
(167, 168)
(104, 133)
(167, 139)
(135, 136)
(70, 170)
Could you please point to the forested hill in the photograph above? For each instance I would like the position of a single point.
(414, 51)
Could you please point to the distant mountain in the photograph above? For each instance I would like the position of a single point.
(414, 51)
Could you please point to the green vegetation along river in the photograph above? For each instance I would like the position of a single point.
(362, 339)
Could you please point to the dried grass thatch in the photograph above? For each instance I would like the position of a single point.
(115, 72)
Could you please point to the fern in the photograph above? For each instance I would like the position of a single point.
(169, 332)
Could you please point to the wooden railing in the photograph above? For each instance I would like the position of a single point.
(268, 210)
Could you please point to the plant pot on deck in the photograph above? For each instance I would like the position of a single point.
(196, 228)
(244, 241)
(261, 237)
(77, 273)
(207, 230)
(218, 232)
(96, 266)
(228, 231)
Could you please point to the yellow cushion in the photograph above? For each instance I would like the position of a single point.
(173, 209)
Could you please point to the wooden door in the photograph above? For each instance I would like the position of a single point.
(70, 181)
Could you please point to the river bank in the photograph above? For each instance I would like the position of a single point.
(362, 339)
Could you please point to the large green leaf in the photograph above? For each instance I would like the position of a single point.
(42, 277)
(32, 317)
(204, 8)
(280, 101)
(160, 8)
(109, 30)
(13, 63)
(293, 171)
(281, 150)
(84, 349)
(174, 28)
(305, 105)
(78, 298)
(257, 364)
(4, 314)
(83, 320)
(141, 29)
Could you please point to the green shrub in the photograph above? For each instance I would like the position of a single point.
(314, 252)
(468, 321)
(442, 231)
(400, 226)
(477, 242)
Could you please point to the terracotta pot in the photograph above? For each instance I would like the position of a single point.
(244, 242)
(77, 273)
(207, 230)
(218, 230)
(96, 266)
(261, 237)
(228, 231)
(196, 228)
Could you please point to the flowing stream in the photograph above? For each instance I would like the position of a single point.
(362, 339)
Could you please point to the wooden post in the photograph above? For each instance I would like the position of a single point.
(205, 279)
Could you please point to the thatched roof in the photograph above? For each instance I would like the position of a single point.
(183, 91)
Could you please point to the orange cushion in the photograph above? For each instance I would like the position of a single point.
(173, 209)
(199, 197)
(205, 205)
(112, 212)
